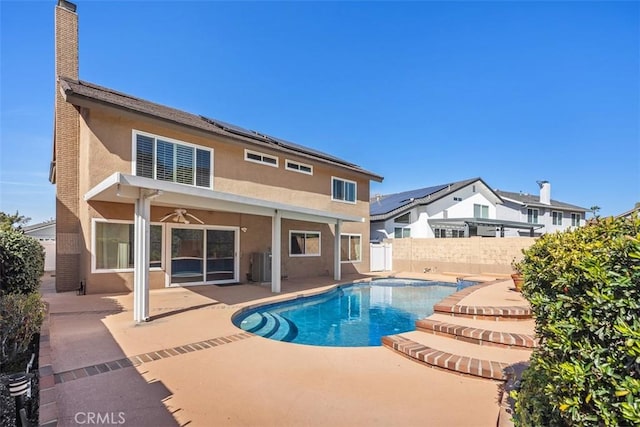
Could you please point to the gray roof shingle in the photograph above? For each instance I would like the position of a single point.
(531, 199)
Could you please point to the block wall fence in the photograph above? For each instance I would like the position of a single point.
(473, 255)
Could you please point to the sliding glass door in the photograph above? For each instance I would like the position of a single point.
(203, 255)
(220, 255)
(186, 255)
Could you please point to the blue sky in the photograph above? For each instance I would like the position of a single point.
(423, 93)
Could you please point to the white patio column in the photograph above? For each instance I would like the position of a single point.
(141, 230)
(276, 251)
(337, 267)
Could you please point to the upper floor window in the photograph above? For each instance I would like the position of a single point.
(480, 211)
(402, 232)
(556, 218)
(575, 219)
(265, 159)
(165, 159)
(404, 219)
(299, 167)
(343, 190)
(350, 247)
(532, 216)
(304, 243)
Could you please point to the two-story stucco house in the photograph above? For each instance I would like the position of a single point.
(148, 196)
(540, 210)
(469, 208)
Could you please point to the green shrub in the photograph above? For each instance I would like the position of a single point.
(20, 319)
(21, 262)
(584, 290)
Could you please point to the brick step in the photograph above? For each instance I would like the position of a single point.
(525, 326)
(457, 356)
(499, 313)
(477, 334)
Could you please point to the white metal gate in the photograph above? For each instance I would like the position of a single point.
(380, 256)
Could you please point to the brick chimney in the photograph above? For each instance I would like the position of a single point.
(545, 192)
(66, 28)
(64, 169)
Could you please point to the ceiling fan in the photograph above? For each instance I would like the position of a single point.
(180, 215)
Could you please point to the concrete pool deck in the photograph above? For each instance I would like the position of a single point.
(190, 365)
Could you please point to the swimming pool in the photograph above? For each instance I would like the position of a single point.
(353, 315)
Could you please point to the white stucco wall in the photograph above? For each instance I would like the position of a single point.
(420, 215)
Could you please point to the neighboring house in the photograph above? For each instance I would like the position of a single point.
(148, 196)
(540, 210)
(465, 209)
(628, 214)
(45, 233)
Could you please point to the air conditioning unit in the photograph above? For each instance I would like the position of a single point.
(261, 267)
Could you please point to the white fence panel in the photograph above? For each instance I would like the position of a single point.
(381, 255)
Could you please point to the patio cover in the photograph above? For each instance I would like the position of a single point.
(459, 222)
(142, 192)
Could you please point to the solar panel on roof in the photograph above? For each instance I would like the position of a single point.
(271, 139)
(394, 201)
(293, 146)
(229, 127)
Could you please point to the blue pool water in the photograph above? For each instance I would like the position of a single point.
(348, 316)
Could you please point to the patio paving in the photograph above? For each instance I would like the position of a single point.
(190, 365)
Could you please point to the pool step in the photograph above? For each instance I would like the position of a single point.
(270, 325)
(253, 322)
(286, 330)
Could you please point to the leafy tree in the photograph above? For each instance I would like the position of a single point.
(8, 221)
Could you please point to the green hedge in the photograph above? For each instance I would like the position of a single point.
(20, 319)
(21, 262)
(584, 290)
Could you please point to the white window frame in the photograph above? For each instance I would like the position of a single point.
(94, 261)
(402, 232)
(134, 147)
(573, 219)
(534, 218)
(350, 235)
(555, 215)
(305, 232)
(262, 157)
(355, 190)
(288, 162)
(480, 208)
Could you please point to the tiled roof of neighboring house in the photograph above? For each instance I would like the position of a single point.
(78, 90)
(383, 207)
(534, 200)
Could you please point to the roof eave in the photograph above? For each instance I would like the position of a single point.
(81, 100)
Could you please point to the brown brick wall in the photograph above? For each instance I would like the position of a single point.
(66, 153)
